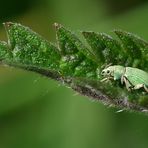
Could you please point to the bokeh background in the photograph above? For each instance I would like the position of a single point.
(36, 112)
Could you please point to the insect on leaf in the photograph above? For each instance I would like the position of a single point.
(80, 67)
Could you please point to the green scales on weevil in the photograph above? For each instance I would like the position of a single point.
(133, 78)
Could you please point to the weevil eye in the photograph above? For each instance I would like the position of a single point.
(103, 72)
(108, 71)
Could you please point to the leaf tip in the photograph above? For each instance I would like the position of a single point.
(84, 33)
(87, 33)
(117, 31)
(57, 26)
(7, 24)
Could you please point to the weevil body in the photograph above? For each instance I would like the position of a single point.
(133, 78)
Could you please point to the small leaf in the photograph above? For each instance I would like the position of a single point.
(27, 47)
(105, 48)
(134, 47)
(76, 60)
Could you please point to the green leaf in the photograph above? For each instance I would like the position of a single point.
(76, 65)
(104, 48)
(4, 51)
(135, 48)
(76, 60)
(29, 48)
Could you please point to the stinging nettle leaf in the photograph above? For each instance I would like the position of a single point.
(134, 46)
(76, 65)
(76, 60)
(105, 48)
(27, 47)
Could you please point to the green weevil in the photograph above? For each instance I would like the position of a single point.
(133, 78)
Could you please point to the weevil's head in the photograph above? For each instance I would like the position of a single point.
(108, 72)
(115, 71)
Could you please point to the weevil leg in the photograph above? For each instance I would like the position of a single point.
(127, 83)
(122, 79)
(106, 79)
(138, 86)
(146, 88)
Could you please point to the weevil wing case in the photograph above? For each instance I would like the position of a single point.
(136, 76)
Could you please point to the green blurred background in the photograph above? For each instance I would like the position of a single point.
(36, 112)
